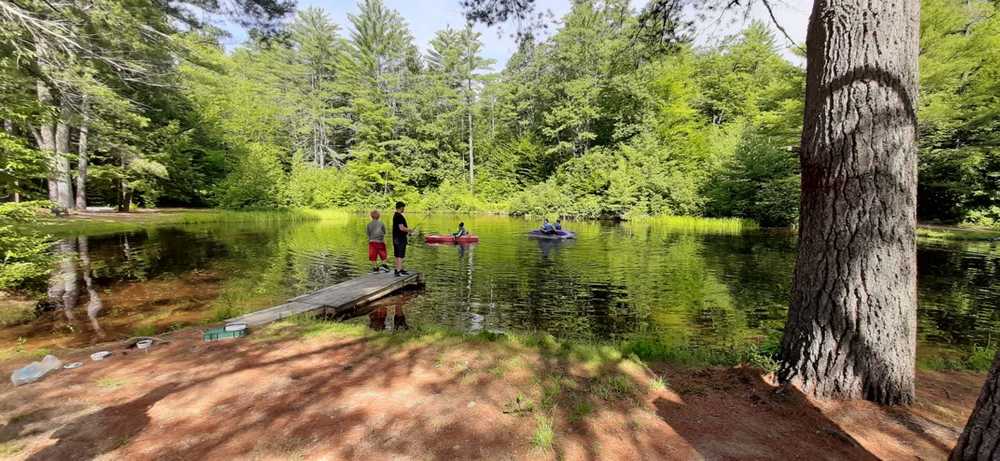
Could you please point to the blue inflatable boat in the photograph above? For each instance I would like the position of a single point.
(557, 235)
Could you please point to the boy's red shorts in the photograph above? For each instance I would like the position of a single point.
(377, 250)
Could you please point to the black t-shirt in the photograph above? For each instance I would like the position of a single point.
(398, 235)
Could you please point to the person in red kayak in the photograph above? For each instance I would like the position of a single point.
(462, 232)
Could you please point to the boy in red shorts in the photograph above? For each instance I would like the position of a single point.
(376, 242)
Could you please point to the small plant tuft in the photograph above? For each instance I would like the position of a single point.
(544, 434)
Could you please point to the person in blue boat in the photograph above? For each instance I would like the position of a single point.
(558, 224)
(461, 231)
(547, 227)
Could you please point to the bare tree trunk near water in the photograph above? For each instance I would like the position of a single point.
(8, 127)
(45, 137)
(851, 330)
(472, 160)
(53, 138)
(124, 191)
(64, 180)
(82, 160)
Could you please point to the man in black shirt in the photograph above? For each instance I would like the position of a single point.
(399, 234)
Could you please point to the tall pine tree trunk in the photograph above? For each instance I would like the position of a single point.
(45, 137)
(63, 177)
(472, 158)
(851, 330)
(8, 127)
(981, 438)
(124, 192)
(82, 160)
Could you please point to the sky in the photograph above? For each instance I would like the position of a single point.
(425, 17)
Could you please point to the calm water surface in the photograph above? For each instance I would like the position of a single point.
(613, 281)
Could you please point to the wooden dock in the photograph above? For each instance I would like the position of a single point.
(334, 299)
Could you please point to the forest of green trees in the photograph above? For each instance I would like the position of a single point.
(128, 104)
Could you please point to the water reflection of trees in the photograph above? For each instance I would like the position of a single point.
(958, 294)
(94, 303)
(74, 266)
(615, 281)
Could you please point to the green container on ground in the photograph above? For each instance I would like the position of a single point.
(219, 333)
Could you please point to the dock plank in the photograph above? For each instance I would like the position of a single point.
(333, 299)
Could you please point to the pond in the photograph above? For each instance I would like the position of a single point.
(687, 286)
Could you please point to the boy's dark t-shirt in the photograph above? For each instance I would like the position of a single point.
(398, 235)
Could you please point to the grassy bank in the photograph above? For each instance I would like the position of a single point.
(761, 356)
(957, 233)
(694, 224)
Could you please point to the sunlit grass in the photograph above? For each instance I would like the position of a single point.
(694, 224)
(10, 448)
(263, 217)
(613, 387)
(935, 233)
(113, 222)
(16, 312)
(544, 434)
(305, 327)
(21, 353)
(591, 355)
(111, 383)
(657, 383)
(146, 329)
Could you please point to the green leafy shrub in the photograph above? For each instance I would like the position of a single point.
(312, 187)
(452, 196)
(257, 181)
(761, 182)
(24, 253)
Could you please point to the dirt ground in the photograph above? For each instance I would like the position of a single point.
(369, 398)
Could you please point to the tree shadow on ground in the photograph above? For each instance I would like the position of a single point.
(748, 419)
(103, 431)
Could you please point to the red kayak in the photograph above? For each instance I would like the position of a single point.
(450, 239)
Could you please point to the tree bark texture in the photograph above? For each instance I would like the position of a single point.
(63, 177)
(45, 136)
(53, 137)
(82, 162)
(472, 158)
(851, 330)
(981, 438)
(8, 127)
(468, 109)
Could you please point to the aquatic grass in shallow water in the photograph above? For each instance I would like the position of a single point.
(104, 223)
(296, 215)
(697, 225)
(957, 234)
